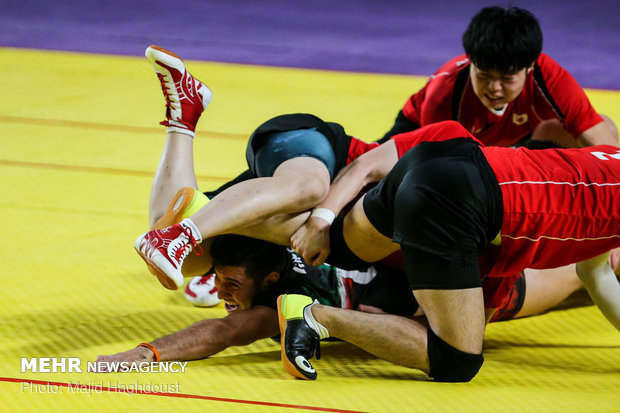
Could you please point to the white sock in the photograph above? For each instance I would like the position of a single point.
(179, 129)
(193, 228)
(315, 325)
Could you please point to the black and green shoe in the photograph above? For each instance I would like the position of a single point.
(298, 340)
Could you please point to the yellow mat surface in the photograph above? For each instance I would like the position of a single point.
(79, 144)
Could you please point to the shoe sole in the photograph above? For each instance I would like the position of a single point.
(288, 366)
(176, 208)
(174, 214)
(156, 269)
(153, 58)
(164, 279)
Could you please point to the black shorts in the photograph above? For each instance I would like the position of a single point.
(297, 135)
(388, 290)
(442, 203)
(282, 146)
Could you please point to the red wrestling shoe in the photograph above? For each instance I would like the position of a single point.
(186, 96)
(164, 250)
(184, 203)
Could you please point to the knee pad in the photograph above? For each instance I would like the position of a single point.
(448, 364)
(340, 255)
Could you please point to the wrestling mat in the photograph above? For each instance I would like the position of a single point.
(79, 144)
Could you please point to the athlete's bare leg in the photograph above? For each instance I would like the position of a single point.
(175, 171)
(545, 289)
(296, 186)
(456, 316)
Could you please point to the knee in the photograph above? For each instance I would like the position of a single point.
(307, 191)
(449, 364)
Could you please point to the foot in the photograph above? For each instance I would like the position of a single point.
(298, 340)
(184, 203)
(186, 96)
(165, 250)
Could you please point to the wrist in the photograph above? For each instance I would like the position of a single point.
(325, 214)
(150, 351)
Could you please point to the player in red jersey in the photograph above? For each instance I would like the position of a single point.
(504, 90)
(458, 211)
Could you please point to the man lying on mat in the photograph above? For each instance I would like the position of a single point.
(250, 275)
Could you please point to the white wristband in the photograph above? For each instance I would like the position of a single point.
(324, 213)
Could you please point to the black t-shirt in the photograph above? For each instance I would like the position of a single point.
(383, 287)
(320, 283)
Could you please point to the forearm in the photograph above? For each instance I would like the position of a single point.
(345, 188)
(351, 180)
(198, 341)
(603, 133)
(206, 337)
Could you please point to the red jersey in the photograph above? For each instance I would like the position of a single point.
(550, 92)
(357, 148)
(560, 206)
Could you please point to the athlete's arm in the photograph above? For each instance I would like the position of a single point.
(602, 285)
(207, 337)
(311, 240)
(599, 134)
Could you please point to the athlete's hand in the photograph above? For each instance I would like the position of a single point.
(311, 241)
(110, 363)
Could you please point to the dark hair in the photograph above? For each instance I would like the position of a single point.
(535, 144)
(503, 40)
(259, 258)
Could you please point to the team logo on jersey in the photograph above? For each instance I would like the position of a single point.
(298, 263)
(519, 119)
(606, 156)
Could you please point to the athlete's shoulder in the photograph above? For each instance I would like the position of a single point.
(450, 80)
(548, 70)
(547, 63)
(452, 67)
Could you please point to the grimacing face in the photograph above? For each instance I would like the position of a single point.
(237, 289)
(496, 89)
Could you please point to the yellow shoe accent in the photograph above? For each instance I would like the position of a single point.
(293, 305)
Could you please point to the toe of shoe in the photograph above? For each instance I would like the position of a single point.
(298, 366)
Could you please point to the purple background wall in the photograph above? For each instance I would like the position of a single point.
(389, 36)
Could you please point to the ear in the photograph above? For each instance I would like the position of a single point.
(529, 69)
(271, 278)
